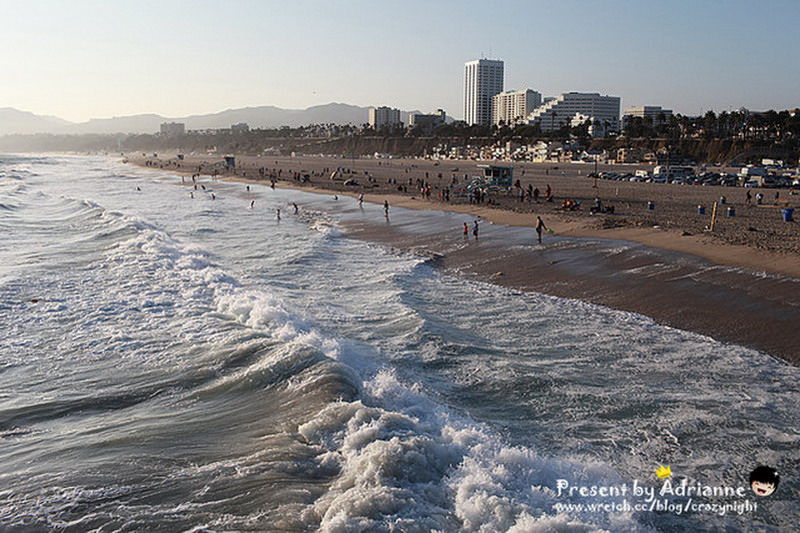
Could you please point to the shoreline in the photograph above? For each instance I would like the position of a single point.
(670, 240)
(673, 289)
(700, 244)
(657, 276)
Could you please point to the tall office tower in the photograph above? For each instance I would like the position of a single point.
(483, 78)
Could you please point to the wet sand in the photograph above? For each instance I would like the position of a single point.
(744, 292)
(682, 291)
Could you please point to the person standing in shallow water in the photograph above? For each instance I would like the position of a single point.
(539, 227)
(475, 230)
(466, 232)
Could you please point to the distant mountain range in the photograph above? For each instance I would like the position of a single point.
(14, 121)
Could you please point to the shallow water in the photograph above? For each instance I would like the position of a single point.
(179, 363)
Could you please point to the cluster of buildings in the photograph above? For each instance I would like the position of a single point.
(177, 129)
(486, 103)
(387, 117)
(550, 152)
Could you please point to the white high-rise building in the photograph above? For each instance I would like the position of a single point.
(384, 116)
(513, 107)
(483, 78)
(561, 110)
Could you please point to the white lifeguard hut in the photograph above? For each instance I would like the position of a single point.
(498, 176)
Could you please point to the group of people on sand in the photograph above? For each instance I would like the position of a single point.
(540, 227)
(760, 197)
(533, 193)
(598, 207)
(570, 205)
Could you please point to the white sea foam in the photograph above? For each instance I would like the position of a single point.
(404, 461)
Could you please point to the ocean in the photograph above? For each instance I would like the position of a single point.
(174, 359)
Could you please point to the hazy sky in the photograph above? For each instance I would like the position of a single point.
(82, 59)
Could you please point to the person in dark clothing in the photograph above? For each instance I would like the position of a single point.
(539, 228)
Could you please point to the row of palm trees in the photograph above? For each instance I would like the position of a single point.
(742, 124)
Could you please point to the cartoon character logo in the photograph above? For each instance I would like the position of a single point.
(764, 480)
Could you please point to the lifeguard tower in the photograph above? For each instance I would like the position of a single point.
(498, 176)
(495, 180)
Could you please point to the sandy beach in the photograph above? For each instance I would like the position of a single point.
(700, 294)
(756, 237)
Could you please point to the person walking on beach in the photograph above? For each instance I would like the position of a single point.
(466, 232)
(539, 227)
(748, 198)
(360, 199)
(475, 230)
(386, 208)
